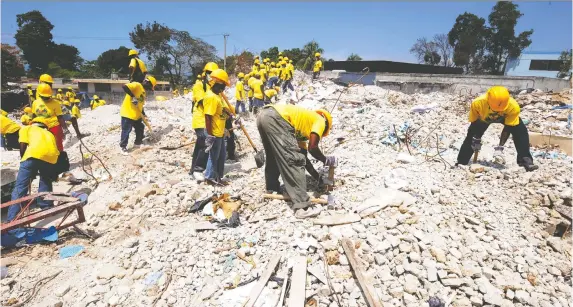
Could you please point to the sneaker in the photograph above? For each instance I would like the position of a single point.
(198, 176)
(307, 213)
(124, 151)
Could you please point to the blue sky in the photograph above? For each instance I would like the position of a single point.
(375, 31)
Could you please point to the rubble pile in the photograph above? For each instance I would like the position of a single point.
(486, 235)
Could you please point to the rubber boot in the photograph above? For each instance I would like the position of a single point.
(527, 163)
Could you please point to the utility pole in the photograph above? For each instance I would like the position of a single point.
(225, 51)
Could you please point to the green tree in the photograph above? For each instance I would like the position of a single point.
(151, 39)
(272, 53)
(354, 57)
(67, 57)
(34, 38)
(468, 38)
(432, 58)
(565, 68)
(90, 70)
(501, 42)
(114, 60)
(12, 66)
(294, 54)
(308, 52)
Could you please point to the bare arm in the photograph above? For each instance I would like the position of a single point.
(209, 124)
(23, 147)
(313, 148)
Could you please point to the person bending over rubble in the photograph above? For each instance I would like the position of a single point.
(283, 128)
(10, 131)
(132, 113)
(201, 87)
(496, 106)
(216, 113)
(40, 154)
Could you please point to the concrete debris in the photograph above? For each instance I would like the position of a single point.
(420, 228)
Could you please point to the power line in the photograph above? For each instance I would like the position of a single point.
(105, 38)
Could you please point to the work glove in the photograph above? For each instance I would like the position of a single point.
(498, 155)
(330, 161)
(476, 144)
(209, 141)
(238, 121)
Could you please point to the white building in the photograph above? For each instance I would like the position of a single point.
(534, 64)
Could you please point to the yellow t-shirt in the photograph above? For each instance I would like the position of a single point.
(255, 68)
(50, 110)
(70, 95)
(270, 93)
(76, 112)
(26, 119)
(317, 66)
(285, 73)
(59, 96)
(273, 72)
(8, 125)
(30, 93)
(198, 92)
(240, 91)
(213, 105)
(304, 121)
(263, 73)
(480, 110)
(130, 110)
(256, 86)
(41, 144)
(141, 64)
(250, 84)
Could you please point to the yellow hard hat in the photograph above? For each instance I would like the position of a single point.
(45, 78)
(328, 118)
(498, 98)
(256, 56)
(27, 110)
(290, 61)
(220, 75)
(211, 66)
(133, 52)
(285, 58)
(69, 88)
(317, 54)
(273, 64)
(95, 97)
(29, 85)
(152, 80)
(76, 100)
(44, 90)
(241, 75)
(59, 90)
(4, 113)
(257, 61)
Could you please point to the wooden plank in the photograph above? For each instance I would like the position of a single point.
(338, 219)
(296, 295)
(204, 225)
(283, 290)
(286, 198)
(318, 274)
(258, 288)
(369, 293)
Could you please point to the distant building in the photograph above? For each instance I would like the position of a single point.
(112, 86)
(534, 64)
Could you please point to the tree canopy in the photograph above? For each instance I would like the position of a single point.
(354, 57)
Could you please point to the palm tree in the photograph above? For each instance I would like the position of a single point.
(308, 52)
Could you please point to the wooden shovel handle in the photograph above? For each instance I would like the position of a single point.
(241, 125)
(282, 197)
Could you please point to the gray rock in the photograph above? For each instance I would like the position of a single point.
(438, 254)
(380, 259)
(453, 282)
(510, 294)
(472, 220)
(411, 283)
(396, 292)
(522, 296)
(476, 301)
(61, 291)
(554, 271)
(130, 242)
(555, 244)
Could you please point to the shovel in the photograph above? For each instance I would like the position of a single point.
(259, 155)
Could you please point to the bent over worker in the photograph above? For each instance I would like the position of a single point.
(496, 106)
(283, 128)
(132, 113)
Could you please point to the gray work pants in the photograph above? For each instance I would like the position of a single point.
(283, 156)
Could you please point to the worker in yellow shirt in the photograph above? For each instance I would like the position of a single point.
(256, 65)
(9, 132)
(40, 155)
(270, 94)
(263, 74)
(286, 76)
(240, 94)
(30, 94)
(258, 93)
(176, 93)
(496, 106)
(317, 67)
(60, 95)
(284, 131)
(216, 113)
(26, 118)
(132, 112)
(137, 69)
(185, 91)
(249, 78)
(44, 79)
(70, 96)
(50, 109)
(201, 87)
(76, 110)
(96, 102)
(273, 75)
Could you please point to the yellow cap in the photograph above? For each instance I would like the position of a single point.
(133, 52)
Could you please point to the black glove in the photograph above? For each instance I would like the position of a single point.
(209, 141)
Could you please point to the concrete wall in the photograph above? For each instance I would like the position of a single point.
(520, 66)
(416, 83)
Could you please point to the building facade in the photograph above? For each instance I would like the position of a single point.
(534, 64)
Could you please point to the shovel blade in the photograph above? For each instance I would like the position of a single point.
(260, 159)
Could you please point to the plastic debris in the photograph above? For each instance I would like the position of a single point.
(423, 108)
(70, 251)
(152, 278)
